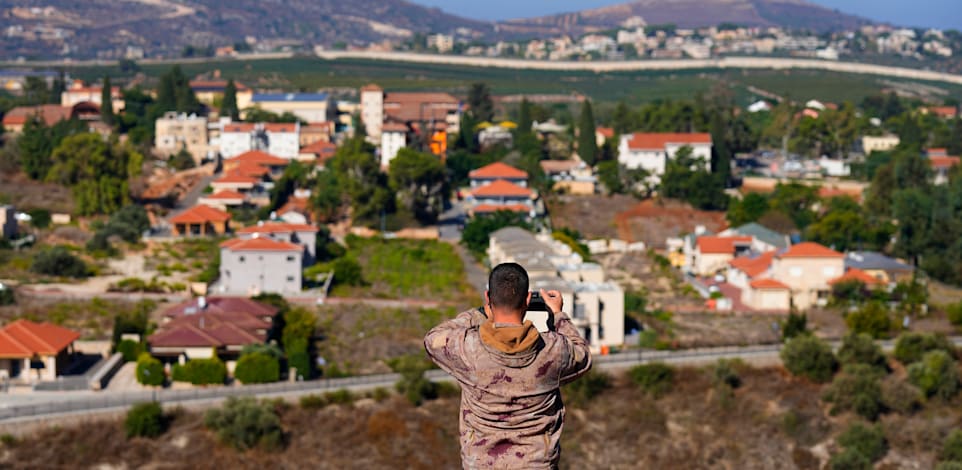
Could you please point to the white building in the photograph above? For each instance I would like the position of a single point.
(882, 143)
(651, 151)
(393, 139)
(596, 306)
(260, 265)
(280, 139)
(80, 93)
(311, 107)
(173, 132)
(443, 42)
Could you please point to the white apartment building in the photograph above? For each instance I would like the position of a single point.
(651, 151)
(78, 93)
(174, 132)
(596, 306)
(393, 139)
(280, 139)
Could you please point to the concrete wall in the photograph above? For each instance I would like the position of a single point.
(254, 272)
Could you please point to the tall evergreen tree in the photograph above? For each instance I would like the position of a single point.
(524, 116)
(721, 152)
(587, 142)
(479, 99)
(106, 103)
(229, 105)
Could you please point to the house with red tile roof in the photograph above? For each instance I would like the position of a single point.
(49, 114)
(279, 139)
(857, 275)
(500, 194)
(652, 151)
(941, 164)
(236, 182)
(807, 269)
(260, 265)
(202, 327)
(33, 352)
(712, 253)
(441, 111)
(319, 152)
(498, 171)
(201, 220)
(304, 235)
(78, 92)
(297, 210)
(223, 199)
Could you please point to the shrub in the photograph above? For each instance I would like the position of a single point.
(413, 385)
(58, 261)
(131, 350)
(313, 401)
(795, 325)
(245, 423)
(150, 371)
(954, 312)
(201, 372)
(347, 271)
(7, 296)
(725, 373)
(899, 396)
(856, 389)
(935, 375)
(257, 368)
(868, 441)
(261, 348)
(849, 459)
(39, 218)
(810, 357)
(872, 319)
(952, 447)
(910, 347)
(8, 440)
(949, 466)
(580, 392)
(860, 349)
(340, 397)
(655, 378)
(145, 420)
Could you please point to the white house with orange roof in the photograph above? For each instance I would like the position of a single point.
(79, 92)
(260, 265)
(711, 254)
(304, 235)
(256, 158)
(501, 195)
(651, 151)
(498, 171)
(804, 273)
(201, 220)
(278, 139)
(224, 199)
(941, 164)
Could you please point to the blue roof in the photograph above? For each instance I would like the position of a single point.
(259, 97)
(875, 261)
(764, 234)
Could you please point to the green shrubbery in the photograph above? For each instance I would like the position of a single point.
(150, 371)
(145, 420)
(580, 392)
(810, 357)
(337, 397)
(857, 389)
(867, 441)
(257, 368)
(899, 396)
(910, 347)
(860, 349)
(245, 423)
(131, 350)
(954, 313)
(872, 319)
(795, 325)
(655, 378)
(201, 372)
(952, 447)
(413, 385)
(937, 375)
(59, 261)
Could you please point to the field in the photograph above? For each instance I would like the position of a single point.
(309, 74)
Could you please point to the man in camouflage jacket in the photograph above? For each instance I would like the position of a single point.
(510, 374)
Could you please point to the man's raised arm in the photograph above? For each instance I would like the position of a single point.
(445, 343)
(578, 360)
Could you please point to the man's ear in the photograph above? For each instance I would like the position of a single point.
(487, 299)
(527, 300)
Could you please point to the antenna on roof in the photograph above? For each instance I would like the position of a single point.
(202, 302)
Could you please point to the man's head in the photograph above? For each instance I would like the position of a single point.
(508, 288)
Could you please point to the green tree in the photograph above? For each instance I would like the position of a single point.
(861, 349)
(872, 319)
(107, 103)
(810, 357)
(688, 179)
(795, 200)
(257, 368)
(937, 374)
(58, 261)
(849, 459)
(749, 208)
(174, 93)
(622, 120)
(587, 142)
(413, 385)
(360, 178)
(145, 420)
(420, 184)
(297, 339)
(910, 347)
(795, 325)
(481, 106)
(655, 378)
(524, 116)
(96, 171)
(182, 160)
(245, 423)
(952, 447)
(857, 389)
(228, 106)
(150, 371)
(477, 232)
(37, 142)
(327, 198)
(869, 441)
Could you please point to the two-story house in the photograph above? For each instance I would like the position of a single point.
(652, 151)
(260, 265)
(304, 235)
(279, 139)
(805, 271)
(710, 254)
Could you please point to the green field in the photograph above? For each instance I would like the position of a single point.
(309, 74)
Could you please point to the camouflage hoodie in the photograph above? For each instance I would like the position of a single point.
(511, 409)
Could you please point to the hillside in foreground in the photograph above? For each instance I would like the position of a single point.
(771, 421)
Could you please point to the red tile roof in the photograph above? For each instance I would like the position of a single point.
(296, 204)
(658, 140)
(239, 127)
(280, 127)
(258, 157)
(225, 194)
(223, 321)
(250, 169)
(721, 245)
(277, 227)
(606, 132)
(408, 107)
(200, 214)
(943, 111)
(371, 87)
(324, 150)
(236, 177)
(498, 170)
(939, 162)
(753, 266)
(222, 306)
(501, 188)
(768, 284)
(49, 114)
(855, 274)
(488, 208)
(936, 152)
(558, 166)
(810, 250)
(23, 339)
(259, 244)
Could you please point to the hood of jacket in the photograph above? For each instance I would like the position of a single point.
(511, 345)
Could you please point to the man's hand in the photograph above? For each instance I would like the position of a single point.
(553, 300)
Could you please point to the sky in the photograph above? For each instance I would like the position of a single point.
(944, 14)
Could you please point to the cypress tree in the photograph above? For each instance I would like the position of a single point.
(106, 103)
(229, 105)
(587, 143)
(524, 116)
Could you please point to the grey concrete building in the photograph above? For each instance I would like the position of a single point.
(299, 234)
(260, 265)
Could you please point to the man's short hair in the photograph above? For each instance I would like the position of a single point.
(508, 286)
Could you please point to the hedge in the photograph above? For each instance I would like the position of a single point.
(257, 368)
(201, 372)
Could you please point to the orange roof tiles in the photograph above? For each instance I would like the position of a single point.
(940, 162)
(200, 214)
(501, 188)
(810, 250)
(24, 339)
(236, 178)
(721, 245)
(49, 114)
(258, 157)
(768, 284)
(278, 227)
(487, 208)
(943, 111)
(606, 132)
(753, 266)
(855, 274)
(498, 170)
(225, 194)
(259, 244)
(658, 140)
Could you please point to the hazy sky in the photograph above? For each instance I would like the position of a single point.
(923, 13)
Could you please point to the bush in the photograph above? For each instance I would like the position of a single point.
(7, 296)
(849, 459)
(347, 271)
(868, 441)
(39, 218)
(936, 375)
(201, 372)
(145, 420)
(954, 312)
(58, 261)
(413, 385)
(257, 368)
(872, 319)
(910, 347)
(856, 389)
(795, 325)
(245, 423)
(725, 373)
(580, 392)
(860, 349)
(313, 401)
(952, 447)
(150, 371)
(655, 378)
(131, 350)
(899, 396)
(810, 357)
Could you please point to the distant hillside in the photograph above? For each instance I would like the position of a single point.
(690, 14)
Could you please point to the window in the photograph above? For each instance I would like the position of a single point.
(795, 272)
(240, 259)
(828, 271)
(290, 278)
(290, 258)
